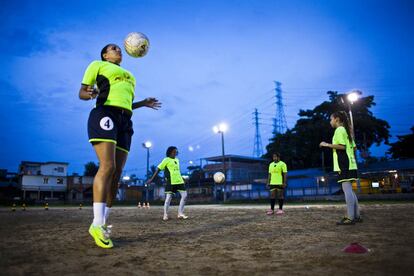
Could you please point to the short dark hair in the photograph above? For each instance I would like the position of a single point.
(170, 150)
(105, 49)
(276, 153)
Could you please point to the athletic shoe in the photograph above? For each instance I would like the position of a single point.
(165, 218)
(270, 212)
(358, 219)
(182, 216)
(280, 212)
(346, 221)
(108, 230)
(98, 234)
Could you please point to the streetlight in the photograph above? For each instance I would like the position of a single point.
(221, 128)
(352, 96)
(147, 145)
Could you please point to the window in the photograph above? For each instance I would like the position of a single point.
(60, 169)
(45, 180)
(59, 180)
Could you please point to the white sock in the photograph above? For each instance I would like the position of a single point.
(106, 215)
(98, 213)
(168, 198)
(182, 202)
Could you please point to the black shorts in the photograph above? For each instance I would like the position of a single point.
(111, 124)
(347, 176)
(174, 188)
(276, 187)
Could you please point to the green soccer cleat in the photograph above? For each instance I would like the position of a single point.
(346, 221)
(99, 235)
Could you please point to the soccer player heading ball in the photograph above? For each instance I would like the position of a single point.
(175, 182)
(109, 130)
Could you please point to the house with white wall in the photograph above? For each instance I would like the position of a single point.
(43, 180)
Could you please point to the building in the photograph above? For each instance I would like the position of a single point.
(79, 188)
(392, 176)
(311, 183)
(246, 178)
(43, 180)
(8, 186)
(243, 175)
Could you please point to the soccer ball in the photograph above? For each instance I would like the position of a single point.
(136, 44)
(219, 177)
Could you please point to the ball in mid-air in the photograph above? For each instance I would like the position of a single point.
(219, 177)
(136, 44)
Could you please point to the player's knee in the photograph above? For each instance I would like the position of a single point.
(184, 194)
(117, 174)
(107, 168)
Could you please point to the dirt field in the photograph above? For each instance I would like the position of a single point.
(216, 240)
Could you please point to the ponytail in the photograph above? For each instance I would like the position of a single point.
(343, 118)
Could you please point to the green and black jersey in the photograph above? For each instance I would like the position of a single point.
(171, 168)
(344, 160)
(116, 85)
(276, 171)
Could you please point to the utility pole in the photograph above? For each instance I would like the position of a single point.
(279, 122)
(258, 147)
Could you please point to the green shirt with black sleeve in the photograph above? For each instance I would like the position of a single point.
(115, 84)
(171, 168)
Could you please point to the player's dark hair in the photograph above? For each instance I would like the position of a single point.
(343, 118)
(276, 153)
(105, 49)
(170, 150)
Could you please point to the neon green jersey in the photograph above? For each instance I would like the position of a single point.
(343, 159)
(171, 168)
(276, 171)
(116, 85)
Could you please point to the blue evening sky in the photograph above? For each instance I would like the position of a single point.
(209, 61)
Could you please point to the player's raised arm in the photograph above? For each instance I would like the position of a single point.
(148, 102)
(87, 92)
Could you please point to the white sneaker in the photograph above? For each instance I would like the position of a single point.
(182, 216)
(165, 218)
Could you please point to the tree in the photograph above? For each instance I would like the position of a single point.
(299, 146)
(403, 148)
(90, 169)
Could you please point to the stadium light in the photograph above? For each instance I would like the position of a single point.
(353, 96)
(221, 128)
(147, 144)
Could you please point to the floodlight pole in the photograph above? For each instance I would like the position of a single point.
(224, 166)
